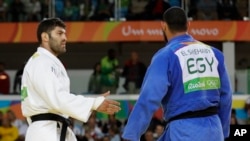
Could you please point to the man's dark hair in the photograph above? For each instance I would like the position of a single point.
(47, 26)
(176, 19)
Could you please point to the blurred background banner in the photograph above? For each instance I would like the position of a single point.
(128, 31)
(127, 102)
(13, 103)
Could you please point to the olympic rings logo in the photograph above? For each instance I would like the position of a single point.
(212, 83)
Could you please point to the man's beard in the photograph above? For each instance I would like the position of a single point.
(55, 46)
(164, 36)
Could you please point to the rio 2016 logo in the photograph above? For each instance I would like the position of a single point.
(212, 83)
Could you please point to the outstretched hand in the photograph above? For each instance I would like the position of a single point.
(109, 106)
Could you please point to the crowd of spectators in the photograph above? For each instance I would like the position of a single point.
(11, 127)
(109, 129)
(108, 71)
(80, 10)
(214, 10)
(112, 128)
(104, 10)
(4, 80)
(95, 129)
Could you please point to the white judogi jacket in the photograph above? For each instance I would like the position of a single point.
(46, 89)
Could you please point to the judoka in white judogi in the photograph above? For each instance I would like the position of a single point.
(46, 88)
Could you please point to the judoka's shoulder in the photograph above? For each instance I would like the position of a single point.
(217, 51)
(38, 61)
(218, 54)
(163, 53)
(43, 60)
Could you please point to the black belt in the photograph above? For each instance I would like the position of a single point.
(49, 116)
(201, 113)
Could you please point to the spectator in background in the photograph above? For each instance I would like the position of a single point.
(70, 11)
(21, 125)
(4, 80)
(233, 118)
(3, 11)
(174, 2)
(124, 8)
(243, 114)
(148, 136)
(114, 133)
(92, 130)
(102, 11)
(227, 10)
(158, 131)
(233, 124)
(59, 6)
(207, 10)
(1, 117)
(33, 10)
(192, 9)
(83, 6)
(109, 72)
(87, 9)
(93, 5)
(8, 132)
(94, 84)
(136, 10)
(45, 9)
(18, 123)
(106, 138)
(111, 122)
(18, 79)
(247, 109)
(77, 129)
(22, 131)
(87, 135)
(28, 7)
(17, 11)
(155, 9)
(35, 14)
(133, 72)
(122, 11)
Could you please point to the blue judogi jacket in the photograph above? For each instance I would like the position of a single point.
(185, 75)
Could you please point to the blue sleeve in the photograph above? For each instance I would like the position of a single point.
(225, 104)
(154, 88)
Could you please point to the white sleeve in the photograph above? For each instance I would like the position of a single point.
(98, 102)
(52, 94)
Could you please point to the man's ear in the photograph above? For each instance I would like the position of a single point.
(45, 37)
(163, 25)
